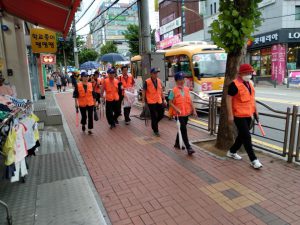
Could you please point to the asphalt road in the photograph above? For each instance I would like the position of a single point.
(280, 99)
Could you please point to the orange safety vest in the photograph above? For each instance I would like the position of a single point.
(111, 90)
(97, 85)
(183, 103)
(127, 83)
(85, 98)
(153, 95)
(243, 103)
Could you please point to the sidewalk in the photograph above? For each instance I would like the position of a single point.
(57, 190)
(143, 180)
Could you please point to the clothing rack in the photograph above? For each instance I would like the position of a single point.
(5, 122)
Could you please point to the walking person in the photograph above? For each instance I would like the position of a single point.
(84, 99)
(241, 108)
(153, 95)
(63, 81)
(110, 87)
(97, 82)
(58, 82)
(182, 107)
(128, 84)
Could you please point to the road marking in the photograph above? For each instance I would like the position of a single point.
(275, 147)
(277, 101)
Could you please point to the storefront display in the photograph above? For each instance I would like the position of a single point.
(274, 54)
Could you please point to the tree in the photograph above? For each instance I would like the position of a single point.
(109, 47)
(237, 20)
(68, 46)
(132, 36)
(87, 55)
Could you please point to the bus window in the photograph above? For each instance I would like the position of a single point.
(209, 64)
(179, 63)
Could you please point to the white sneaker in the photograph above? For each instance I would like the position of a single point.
(256, 164)
(233, 156)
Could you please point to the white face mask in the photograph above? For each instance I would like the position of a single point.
(247, 78)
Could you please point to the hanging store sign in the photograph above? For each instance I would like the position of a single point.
(48, 59)
(285, 35)
(170, 41)
(43, 41)
(170, 26)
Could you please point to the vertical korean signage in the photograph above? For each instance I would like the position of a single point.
(278, 62)
(43, 41)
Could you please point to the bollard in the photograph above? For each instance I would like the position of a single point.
(292, 134)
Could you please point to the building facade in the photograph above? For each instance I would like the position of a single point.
(113, 31)
(275, 49)
(179, 21)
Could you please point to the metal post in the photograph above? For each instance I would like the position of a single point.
(140, 28)
(293, 134)
(286, 131)
(146, 38)
(75, 46)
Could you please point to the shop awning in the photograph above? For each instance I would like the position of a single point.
(53, 14)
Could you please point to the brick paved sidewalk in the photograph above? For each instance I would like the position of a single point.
(141, 179)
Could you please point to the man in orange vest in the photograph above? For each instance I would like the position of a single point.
(84, 100)
(97, 87)
(181, 103)
(110, 86)
(127, 84)
(241, 108)
(153, 95)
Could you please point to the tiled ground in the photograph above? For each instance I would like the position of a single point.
(143, 180)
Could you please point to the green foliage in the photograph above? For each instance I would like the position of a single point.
(68, 46)
(132, 36)
(109, 47)
(87, 55)
(237, 20)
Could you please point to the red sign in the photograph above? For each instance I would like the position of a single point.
(48, 59)
(170, 41)
(278, 62)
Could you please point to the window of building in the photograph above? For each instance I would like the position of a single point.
(297, 12)
(215, 7)
(211, 9)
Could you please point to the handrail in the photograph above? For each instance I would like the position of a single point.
(271, 109)
(202, 99)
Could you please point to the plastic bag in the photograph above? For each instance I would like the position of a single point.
(129, 98)
(179, 133)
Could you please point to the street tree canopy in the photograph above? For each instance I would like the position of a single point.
(109, 47)
(132, 36)
(87, 55)
(237, 20)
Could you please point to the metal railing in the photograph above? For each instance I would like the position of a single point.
(288, 143)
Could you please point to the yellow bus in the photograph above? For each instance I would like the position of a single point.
(204, 66)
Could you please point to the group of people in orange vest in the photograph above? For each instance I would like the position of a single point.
(240, 101)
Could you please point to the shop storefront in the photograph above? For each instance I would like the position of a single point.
(274, 55)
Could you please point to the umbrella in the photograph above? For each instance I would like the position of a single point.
(89, 65)
(112, 57)
(179, 133)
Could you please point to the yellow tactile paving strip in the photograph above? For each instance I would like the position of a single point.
(247, 198)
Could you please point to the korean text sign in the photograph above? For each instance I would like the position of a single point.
(43, 41)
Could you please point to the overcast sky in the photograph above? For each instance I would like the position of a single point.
(92, 12)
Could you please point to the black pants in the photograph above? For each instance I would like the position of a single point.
(157, 113)
(244, 137)
(87, 113)
(183, 122)
(119, 105)
(127, 113)
(112, 112)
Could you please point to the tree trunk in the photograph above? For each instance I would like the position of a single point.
(225, 135)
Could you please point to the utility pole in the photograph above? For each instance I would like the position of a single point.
(146, 38)
(75, 45)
